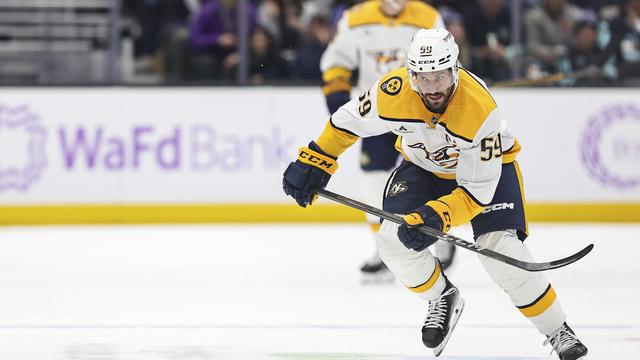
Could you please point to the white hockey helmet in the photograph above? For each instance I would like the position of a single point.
(432, 50)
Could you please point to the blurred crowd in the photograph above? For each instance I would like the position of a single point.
(591, 42)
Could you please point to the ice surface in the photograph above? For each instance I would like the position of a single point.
(288, 292)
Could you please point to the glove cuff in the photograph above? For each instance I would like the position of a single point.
(314, 156)
(443, 210)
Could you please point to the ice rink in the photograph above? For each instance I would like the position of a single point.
(288, 292)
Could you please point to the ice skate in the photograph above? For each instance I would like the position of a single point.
(566, 344)
(442, 318)
(374, 271)
(445, 252)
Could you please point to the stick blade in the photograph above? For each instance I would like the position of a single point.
(561, 262)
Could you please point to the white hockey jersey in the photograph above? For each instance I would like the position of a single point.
(373, 43)
(469, 142)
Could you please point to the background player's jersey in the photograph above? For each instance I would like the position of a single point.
(374, 43)
(468, 143)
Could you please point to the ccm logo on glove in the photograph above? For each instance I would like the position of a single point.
(325, 163)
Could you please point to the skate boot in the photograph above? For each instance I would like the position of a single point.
(442, 318)
(374, 271)
(566, 344)
(445, 252)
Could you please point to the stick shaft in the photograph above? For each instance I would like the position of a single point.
(528, 266)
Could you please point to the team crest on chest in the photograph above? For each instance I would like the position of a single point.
(446, 157)
(392, 86)
(387, 59)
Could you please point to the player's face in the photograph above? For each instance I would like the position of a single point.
(393, 7)
(435, 88)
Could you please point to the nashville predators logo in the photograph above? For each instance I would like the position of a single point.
(387, 59)
(392, 86)
(446, 157)
(397, 188)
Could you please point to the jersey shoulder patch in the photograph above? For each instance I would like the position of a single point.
(469, 108)
(418, 14)
(392, 85)
(396, 101)
(366, 13)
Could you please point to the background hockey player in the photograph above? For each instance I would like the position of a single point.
(459, 158)
(372, 38)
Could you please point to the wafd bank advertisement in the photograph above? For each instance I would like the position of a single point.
(231, 145)
(153, 146)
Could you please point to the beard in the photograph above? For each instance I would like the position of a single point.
(440, 105)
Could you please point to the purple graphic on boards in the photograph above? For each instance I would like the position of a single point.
(22, 148)
(610, 146)
(197, 147)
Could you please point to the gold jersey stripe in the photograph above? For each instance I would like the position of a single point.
(429, 283)
(336, 86)
(398, 146)
(510, 155)
(334, 141)
(540, 305)
(336, 73)
(375, 227)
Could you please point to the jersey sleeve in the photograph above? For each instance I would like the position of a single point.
(339, 59)
(355, 119)
(478, 172)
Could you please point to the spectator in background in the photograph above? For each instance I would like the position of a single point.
(318, 36)
(265, 61)
(154, 23)
(593, 5)
(269, 14)
(282, 19)
(458, 6)
(625, 42)
(454, 22)
(176, 50)
(548, 31)
(585, 59)
(214, 32)
(155, 18)
(489, 30)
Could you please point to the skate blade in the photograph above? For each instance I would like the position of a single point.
(457, 311)
(385, 278)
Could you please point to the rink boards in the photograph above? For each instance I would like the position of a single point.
(131, 155)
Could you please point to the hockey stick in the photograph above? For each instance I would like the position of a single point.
(524, 265)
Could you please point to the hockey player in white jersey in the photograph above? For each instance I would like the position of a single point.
(372, 38)
(459, 159)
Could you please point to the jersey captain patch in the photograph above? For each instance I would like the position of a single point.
(392, 86)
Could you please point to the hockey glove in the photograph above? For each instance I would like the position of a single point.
(337, 99)
(411, 238)
(310, 173)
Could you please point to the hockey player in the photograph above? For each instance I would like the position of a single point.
(459, 159)
(373, 37)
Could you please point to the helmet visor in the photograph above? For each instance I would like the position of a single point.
(433, 82)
